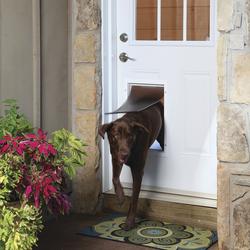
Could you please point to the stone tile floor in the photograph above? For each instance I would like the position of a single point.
(61, 234)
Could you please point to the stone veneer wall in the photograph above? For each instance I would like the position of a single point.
(86, 99)
(233, 124)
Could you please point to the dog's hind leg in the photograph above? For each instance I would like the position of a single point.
(116, 181)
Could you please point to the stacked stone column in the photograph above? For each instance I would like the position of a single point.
(233, 124)
(86, 99)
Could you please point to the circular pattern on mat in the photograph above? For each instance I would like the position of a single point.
(155, 232)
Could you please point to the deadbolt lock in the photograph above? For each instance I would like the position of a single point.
(124, 37)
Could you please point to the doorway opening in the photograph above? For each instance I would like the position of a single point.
(186, 172)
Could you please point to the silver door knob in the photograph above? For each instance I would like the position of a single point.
(124, 57)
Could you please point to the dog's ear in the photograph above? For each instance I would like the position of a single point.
(104, 128)
(140, 126)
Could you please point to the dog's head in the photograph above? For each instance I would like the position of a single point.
(121, 136)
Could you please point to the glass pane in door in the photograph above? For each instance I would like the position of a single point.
(198, 23)
(172, 20)
(146, 19)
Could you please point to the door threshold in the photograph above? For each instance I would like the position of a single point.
(171, 196)
(159, 208)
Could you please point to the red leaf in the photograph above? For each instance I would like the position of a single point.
(5, 148)
(37, 202)
(30, 136)
(42, 135)
(14, 144)
(28, 191)
(33, 144)
(22, 145)
(51, 149)
(46, 193)
(43, 149)
(52, 189)
(19, 151)
(7, 137)
(19, 138)
(47, 181)
(36, 195)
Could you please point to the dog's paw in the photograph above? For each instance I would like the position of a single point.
(128, 226)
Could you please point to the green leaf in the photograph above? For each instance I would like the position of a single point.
(13, 122)
(70, 149)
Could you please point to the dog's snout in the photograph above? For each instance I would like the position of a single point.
(124, 155)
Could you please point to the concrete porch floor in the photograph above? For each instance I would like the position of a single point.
(61, 234)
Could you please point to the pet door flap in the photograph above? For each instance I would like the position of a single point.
(140, 98)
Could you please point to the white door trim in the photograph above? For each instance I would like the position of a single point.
(109, 101)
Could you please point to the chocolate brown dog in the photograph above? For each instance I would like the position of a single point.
(130, 138)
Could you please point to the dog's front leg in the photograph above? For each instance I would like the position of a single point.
(137, 179)
(116, 181)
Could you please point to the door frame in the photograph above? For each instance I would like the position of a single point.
(108, 39)
(109, 102)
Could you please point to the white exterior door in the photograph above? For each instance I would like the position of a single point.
(172, 43)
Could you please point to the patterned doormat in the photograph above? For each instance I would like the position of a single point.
(155, 234)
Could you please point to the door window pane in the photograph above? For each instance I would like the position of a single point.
(198, 23)
(172, 20)
(146, 19)
(178, 20)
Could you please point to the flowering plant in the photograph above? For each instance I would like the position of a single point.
(33, 170)
(41, 166)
